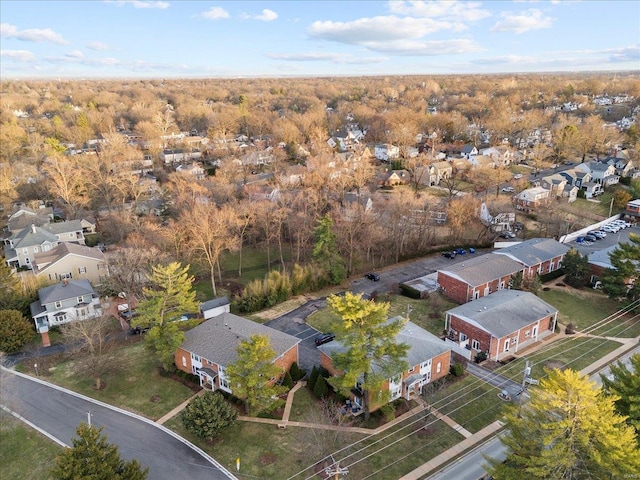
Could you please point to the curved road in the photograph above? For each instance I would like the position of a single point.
(58, 412)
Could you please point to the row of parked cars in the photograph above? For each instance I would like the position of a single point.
(612, 227)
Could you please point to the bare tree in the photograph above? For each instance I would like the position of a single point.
(89, 342)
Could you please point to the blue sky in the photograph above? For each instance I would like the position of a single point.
(175, 38)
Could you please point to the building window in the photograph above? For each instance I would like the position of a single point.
(476, 295)
(527, 333)
(82, 270)
(438, 367)
(195, 357)
(80, 299)
(35, 250)
(475, 344)
(58, 304)
(463, 337)
(64, 276)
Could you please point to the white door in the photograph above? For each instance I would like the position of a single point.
(506, 345)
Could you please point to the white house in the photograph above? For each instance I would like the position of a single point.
(68, 301)
(386, 152)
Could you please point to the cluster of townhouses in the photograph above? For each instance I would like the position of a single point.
(590, 177)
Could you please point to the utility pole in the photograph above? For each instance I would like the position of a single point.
(89, 418)
(611, 207)
(335, 470)
(527, 374)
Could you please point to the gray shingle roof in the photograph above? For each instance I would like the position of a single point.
(216, 302)
(422, 344)
(31, 236)
(504, 312)
(64, 227)
(534, 251)
(217, 338)
(63, 291)
(478, 270)
(601, 257)
(66, 248)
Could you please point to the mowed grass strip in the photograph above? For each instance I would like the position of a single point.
(134, 383)
(574, 352)
(470, 402)
(25, 454)
(579, 308)
(265, 451)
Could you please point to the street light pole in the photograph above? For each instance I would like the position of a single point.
(35, 365)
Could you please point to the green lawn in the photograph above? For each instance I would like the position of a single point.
(427, 313)
(25, 454)
(254, 263)
(567, 352)
(135, 382)
(470, 402)
(581, 309)
(270, 453)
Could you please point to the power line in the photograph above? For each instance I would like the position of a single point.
(479, 382)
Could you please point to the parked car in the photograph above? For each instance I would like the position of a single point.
(138, 330)
(449, 254)
(611, 228)
(507, 190)
(517, 176)
(598, 234)
(507, 234)
(517, 226)
(472, 250)
(374, 277)
(324, 338)
(590, 238)
(459, 251)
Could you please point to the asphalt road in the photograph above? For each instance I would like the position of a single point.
(58, 413)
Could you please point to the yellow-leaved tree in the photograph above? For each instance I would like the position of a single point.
(569, 429)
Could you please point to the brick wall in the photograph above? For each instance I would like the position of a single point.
(453, 288)
(472, 332)
(182, 359)
(286, 360)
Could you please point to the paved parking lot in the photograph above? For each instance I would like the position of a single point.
(611, 239)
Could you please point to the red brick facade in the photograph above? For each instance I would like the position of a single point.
(183, 362)
(495, 347)
(440, 365)
(461, 292)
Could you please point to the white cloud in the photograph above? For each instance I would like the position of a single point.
(18, 55)
(75, 54)
(453, 10)
(424, 48)
(215, 13)
(376, 29)
(522, 22)
(339, 58)
(141, 4)
(32, 34)
(97, 46)
(267, 15)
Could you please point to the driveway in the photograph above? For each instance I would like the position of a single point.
(294, 322)
(58, 412)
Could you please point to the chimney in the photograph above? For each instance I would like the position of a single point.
(33, 228)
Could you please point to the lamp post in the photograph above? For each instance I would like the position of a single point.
(35, 365)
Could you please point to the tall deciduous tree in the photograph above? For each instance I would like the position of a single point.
(92, 457)
(372, 354)
(325, 251)
(15, 331)
(170, 296)
(621, 280)
(65, 183)
(253, 376)
(90, 337)
(207, 414)
(567, 430)
(625, 384)
(211, 231)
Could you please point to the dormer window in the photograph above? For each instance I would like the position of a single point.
(80, 299)
(58, 304)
